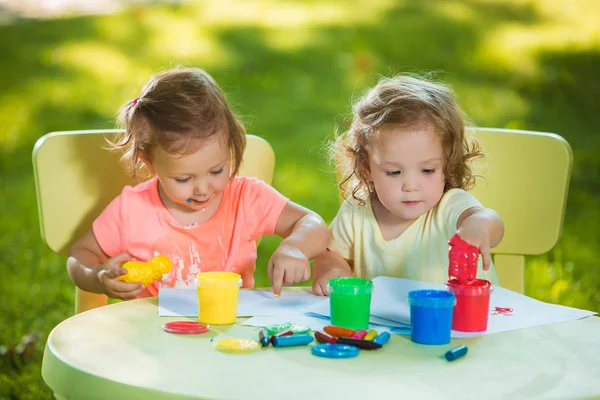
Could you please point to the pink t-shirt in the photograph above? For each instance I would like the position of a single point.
(136, 221)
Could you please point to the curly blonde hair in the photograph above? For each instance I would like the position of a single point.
(174, 108)
(406, 102)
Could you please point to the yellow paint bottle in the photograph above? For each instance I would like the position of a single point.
(218, 297)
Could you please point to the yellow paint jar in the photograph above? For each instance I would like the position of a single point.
(218, 297)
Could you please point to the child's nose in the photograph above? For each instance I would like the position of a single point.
(409, 185)
(201, 188)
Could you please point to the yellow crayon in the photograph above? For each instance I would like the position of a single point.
(372, 334)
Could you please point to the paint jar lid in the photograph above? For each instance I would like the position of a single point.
(350, 285)
(431, 298)
(218, 280)
(477, 287)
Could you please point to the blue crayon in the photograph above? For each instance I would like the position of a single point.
(456, 352)
(288, 341)
(189, 200)
(382, 338)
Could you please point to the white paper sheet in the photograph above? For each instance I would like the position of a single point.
(177, 302)
(508, 310)
(290, 303)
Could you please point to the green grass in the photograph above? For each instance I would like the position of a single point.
(291, 69)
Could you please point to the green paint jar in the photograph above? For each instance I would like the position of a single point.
(350, 302)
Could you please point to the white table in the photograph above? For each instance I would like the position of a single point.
(121, 352)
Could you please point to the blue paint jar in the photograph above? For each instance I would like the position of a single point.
(431, 316)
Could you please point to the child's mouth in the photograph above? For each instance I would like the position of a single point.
(199, 202)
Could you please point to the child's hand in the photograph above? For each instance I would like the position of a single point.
(287, 265)
(114, 288)
(320, 283)
(329, 264)
(477, 235)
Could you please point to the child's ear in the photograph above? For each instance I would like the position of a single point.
(367, 172)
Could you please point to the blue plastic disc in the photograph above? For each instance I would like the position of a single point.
(329, 350)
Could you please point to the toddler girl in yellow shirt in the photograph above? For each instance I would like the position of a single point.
(404, 165)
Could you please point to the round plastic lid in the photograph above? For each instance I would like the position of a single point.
(477, 287)
(218, 280)
(329, 350)
(185, 327)
(431, 298)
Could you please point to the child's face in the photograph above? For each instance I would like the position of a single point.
(406, 168)
(200, 176)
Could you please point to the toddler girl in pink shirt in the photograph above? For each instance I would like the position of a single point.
(194, 209)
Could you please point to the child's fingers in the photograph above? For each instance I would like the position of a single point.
(120, 259)
(277, 277)
(124, 287)
(485, 254)
(129, 295)
(289, 276)
(318, 289)
(305, 275)
(299, 274)
(270, 271)
(113, 273)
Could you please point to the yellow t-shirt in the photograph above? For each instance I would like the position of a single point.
(420, 252)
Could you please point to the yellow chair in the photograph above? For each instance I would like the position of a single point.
(526, 181)
(76, 177)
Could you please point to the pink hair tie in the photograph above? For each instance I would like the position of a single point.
(135, 101)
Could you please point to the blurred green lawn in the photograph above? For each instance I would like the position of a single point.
(291, 69)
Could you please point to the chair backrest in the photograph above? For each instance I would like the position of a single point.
(76, 177)
(526, 180)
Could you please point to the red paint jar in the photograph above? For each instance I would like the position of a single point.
(472, 304)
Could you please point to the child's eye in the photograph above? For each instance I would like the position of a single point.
(392, 173)
(218, 172)
(428, 171)
(182, 180)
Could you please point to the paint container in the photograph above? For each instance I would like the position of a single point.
(472, 304)
(218, 297)
(431, 316)
(350, 302)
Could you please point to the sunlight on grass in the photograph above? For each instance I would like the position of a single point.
(15, 111)
(490, 103)
(297, 182)
(174, 38)
(456, 10)
(105, 63)
(552, 280)
(290, 25)
(294, 14)
(516, 46)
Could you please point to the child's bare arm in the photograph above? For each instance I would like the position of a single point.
(481, 227)
(329, 264)
(93, 271)
(305, 236)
